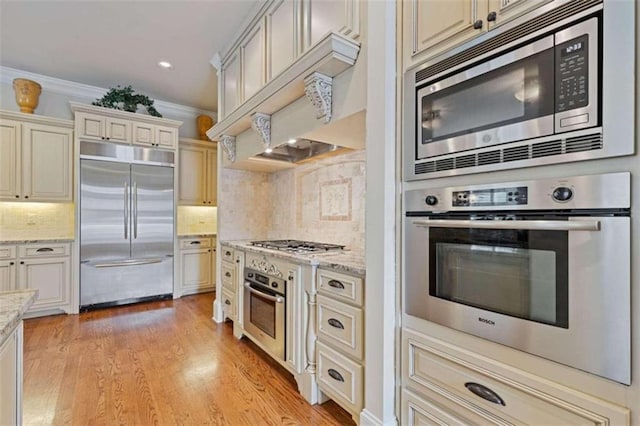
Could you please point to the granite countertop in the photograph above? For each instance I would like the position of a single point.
(348, 261)
(39, 240)
(13, 305)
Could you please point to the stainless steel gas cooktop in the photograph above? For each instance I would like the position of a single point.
(296, 246)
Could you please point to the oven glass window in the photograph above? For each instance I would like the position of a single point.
(263, 314)
(520, 91)
(518, 273)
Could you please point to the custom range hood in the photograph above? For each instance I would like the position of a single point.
(302, 150)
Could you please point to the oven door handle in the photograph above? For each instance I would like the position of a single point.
(261, 294)
(531, 225)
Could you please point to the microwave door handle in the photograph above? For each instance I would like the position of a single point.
(264, 295)
(531, 225)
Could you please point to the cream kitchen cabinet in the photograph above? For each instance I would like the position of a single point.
(432, 27)
(340, 349)
(35, 158)
(197, 265)
(110, 125)
(198, 173)
(11, 378)
(43, 266)
(229, 274)
(447, 385)
(282, 32)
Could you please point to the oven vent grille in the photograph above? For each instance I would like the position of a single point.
(546, 149)
(584, 143)
(517, 153)
(555, 15)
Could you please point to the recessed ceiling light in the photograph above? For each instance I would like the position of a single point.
(268, 150)
(291, 141)
(165, 64)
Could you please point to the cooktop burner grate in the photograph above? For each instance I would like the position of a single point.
(296, 246)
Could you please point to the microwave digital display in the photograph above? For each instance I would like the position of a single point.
(490, 197)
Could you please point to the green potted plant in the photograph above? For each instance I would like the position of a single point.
(125, 99)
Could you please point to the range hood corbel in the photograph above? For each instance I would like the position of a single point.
(261, 123)
(229, 145)
(318, 89)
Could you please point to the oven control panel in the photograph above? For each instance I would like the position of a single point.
(511, 196)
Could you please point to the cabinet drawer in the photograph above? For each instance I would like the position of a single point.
(189, 243)
(44, 250)
(493, 396)
(344, 287)
(340, 378)
(417, 411)
(340, 325)
(228, 278)
(227, 254)
(229, 304)
(7, 252)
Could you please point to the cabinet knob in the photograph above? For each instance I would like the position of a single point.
(17, 196)
(22, 262)
(26, 196)
(492, 16)
(12, 263)
(209, 250)
(478, 24)
(227, 302)
(107, 138)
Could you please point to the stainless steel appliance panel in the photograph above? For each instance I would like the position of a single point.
(151, 211)
(104, 207)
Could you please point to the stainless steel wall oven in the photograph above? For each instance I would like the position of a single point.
(542, 266)
(265, 311)
(548, 88)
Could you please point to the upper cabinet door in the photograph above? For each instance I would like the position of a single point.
(231, 84)
(433, 26)
(46, 162)
(143, 134)
(166, 137)
(282, 36)
(505, 10)
(324, 16)
(118, 130)
(192, 187)
(91, 126)
(212, 176)
(252, 53)
(9, 159)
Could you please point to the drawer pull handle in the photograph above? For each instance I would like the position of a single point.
(227, 253)
(336, 284)
(227, 274)
(335, 375)
(227, 302)
(335, 323)
(44, 249)
(484, 392)
(193, 243)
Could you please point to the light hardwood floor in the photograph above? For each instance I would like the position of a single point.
(156, 363)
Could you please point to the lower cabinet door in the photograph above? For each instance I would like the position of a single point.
(195, 270)
(7, 275)
(10, 379)
(51, 277)
(229, 304)
(340, 378)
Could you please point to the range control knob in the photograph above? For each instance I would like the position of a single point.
(431, 200)
(274, 284)
(562, 193)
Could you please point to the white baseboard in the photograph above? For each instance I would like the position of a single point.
(367, 418)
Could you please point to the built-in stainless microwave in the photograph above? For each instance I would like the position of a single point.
(540, 98)
(543, 266)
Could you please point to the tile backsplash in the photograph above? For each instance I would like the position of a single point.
(319, 201)
(197, 220)
(31, 221)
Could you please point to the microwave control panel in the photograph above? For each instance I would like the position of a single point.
(513, 196)
(572, 74)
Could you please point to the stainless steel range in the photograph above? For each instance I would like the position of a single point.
(296, 246)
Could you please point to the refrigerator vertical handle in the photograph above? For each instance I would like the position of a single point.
(126, 210)
(135, 209)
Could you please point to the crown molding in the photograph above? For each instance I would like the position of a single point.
(79, 90)
(35, 118)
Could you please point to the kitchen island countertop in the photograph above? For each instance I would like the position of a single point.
(13, 305)
(341, 260)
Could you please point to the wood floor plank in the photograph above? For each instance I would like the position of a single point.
(157, 363)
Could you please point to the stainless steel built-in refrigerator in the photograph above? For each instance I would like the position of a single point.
(126, 224)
